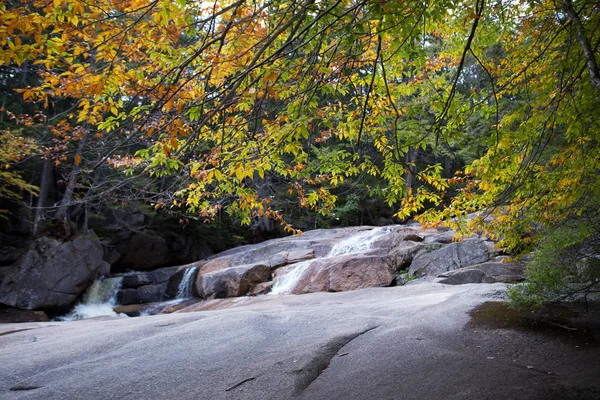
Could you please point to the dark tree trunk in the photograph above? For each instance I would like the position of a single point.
(44, 190)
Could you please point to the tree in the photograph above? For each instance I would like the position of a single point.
(211, 101)
(14, 149)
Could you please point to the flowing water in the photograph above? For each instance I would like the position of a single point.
(359, 242)
(98, 301)
(285, 284)
(185, 290)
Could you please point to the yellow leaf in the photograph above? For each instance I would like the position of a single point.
(114, 111)
(239, 173)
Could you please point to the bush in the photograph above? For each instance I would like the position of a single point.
(565, 266)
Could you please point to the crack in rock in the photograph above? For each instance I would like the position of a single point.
(24, 387)
(240, 384)
(15, 331)
(315, 367)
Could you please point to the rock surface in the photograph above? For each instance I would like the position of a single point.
(343, 274)
(12, 315)
(410, 342)
(435, 259)
(52, 273)
(489, 272)
(148, 287)
(231, 282)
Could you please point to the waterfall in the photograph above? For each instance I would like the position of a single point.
(286, 283)
(185, 290)
(98, 300)
(359, 242)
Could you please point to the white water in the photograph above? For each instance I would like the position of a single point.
(186, 285)
(99, 300)
(285, 284)
(358, 242)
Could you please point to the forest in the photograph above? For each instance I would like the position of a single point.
(280, 116)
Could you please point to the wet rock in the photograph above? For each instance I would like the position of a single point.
(489, 272)
(291, 257)
(145, 287)
(13, 315)
(260, 288)
(52, 273)
(233, 281)
(435, 259)
(151, 293)
(148, 278)
(127, 297)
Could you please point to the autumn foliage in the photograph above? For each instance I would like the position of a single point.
(220, 99)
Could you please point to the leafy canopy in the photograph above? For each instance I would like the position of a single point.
(218, 97)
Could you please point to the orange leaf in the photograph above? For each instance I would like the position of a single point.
(77, 159)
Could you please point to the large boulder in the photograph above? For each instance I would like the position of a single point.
(435, 259)
(145, 287)
(52, 273)
(401, 256)
(233, 281)
(489, 272)
(338, 274)
(147, 250)
(13, 315)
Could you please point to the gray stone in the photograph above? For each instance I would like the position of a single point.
(435, 260)
(151, 293)
(489, 272)
(233, 281)
(402, 255)
(52, 273)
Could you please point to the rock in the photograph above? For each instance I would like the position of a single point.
(104, 269)
(13, 315)
(52, 273)
(434, 259)
(151, 293)
(127, 297)
(260, 288)
(12, 248)
(291, 257)
(148, 250)
(148, 278)
(143, 251)
(231, 282)
(444, 237)
(343, 274)
(412, 237)
(401, 256)
(146, 287)
(488, 272)
(131, 310)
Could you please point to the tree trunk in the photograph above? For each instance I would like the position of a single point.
(584, 42)
(43, 196)
(68, 196)
(410, 160)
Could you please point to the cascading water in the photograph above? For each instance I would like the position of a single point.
(185, 290)
(286, 283)
(99, 300)
(358, 242)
